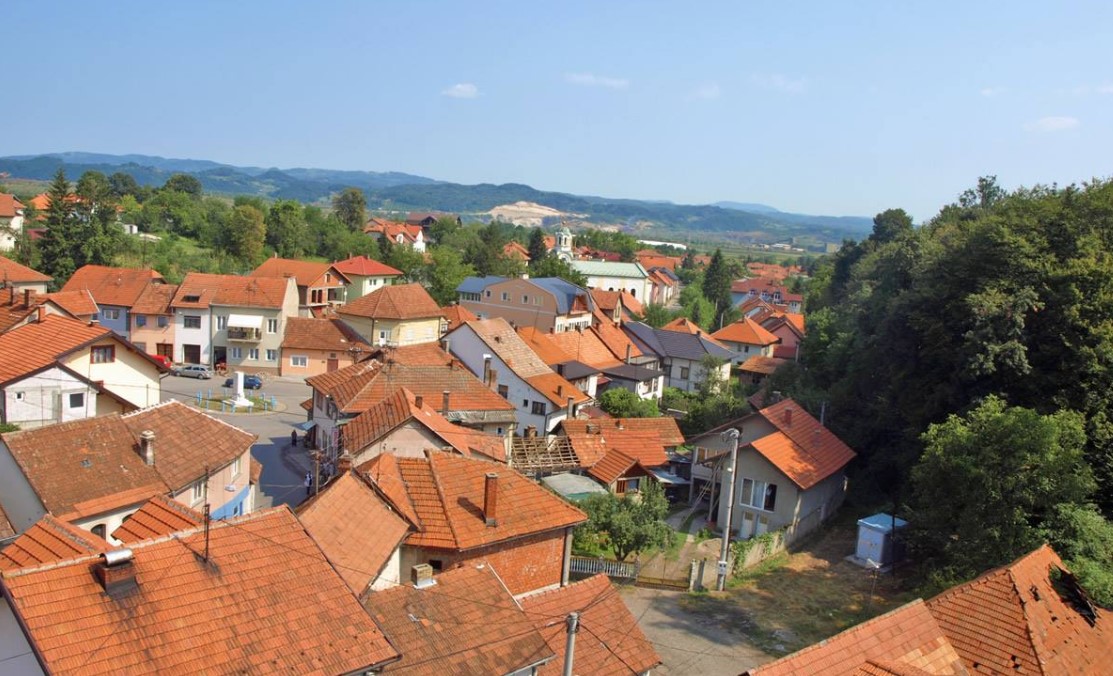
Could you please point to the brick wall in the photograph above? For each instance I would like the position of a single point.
(525, 564)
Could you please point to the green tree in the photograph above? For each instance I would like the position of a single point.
(122, 183)
(246, 234)
(656, 315)
(184, 183)
(629, 525)
(537, 249)
(622, 403)
(989, 485)
(350, 207)
(172, 211)
(716, 283)
(96, 229)
(59, 240)
(551, 266)
(287, 231)
(445, 271)
(1084, 539)
(890, 224)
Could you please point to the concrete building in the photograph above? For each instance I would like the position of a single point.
(548, 304)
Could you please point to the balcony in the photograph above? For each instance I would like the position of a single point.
(243, 334)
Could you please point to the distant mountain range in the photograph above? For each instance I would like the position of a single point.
(733, 221)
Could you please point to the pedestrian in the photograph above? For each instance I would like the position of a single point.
(308, 483)
(294, 438)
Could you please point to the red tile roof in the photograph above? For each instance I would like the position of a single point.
(398, 301)
(266, 601)
(516, 251)
(112, 286)
(155, 299)
(354, 528)
(612, 466)
(1014, 620)
(557, 389)
(644, 439)
(501, 338)
(457, 315)
(9, 206)
(444, 495)
(393, 230)
(747, 332)
(684, 325)
(465, 623)
(363, 266)
(157, 517)
(12, 308)
(6, 530)
(306, 333)
(907, 636)
(609, 300)
(10, 271)
(804, 450)
(761, 364)
(201, 290)
(587, 347)
(609, 639)
(80, 304)
(38, 344)
(305, 273)
(48, 541)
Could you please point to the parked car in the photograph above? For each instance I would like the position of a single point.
(163, 360)
(249, 382)
(193, 371)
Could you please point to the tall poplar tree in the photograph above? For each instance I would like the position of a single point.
(57, 244)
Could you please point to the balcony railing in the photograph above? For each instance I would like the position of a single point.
(250, 335)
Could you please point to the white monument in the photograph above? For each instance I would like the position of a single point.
(238, 400)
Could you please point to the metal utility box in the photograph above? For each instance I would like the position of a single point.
(875, 539)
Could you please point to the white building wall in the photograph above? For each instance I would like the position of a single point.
(43, 399)
(640, 289)
(200, 336)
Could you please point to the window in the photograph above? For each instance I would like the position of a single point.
(525, 403)
(487, 293)
(19, 396)
(499, 431)
(506, 295)
(104, 354)
(191, 321)
(221, 322)
(198, 492)
(77, 400)
(537, 300)
(525, 299)
(235, 468)
(272, 355)
(163, 321)
(100, 530)
(684, 372)
(235, 353)
(382, 336)
(191, 298)
(253, 354)
(436, 564)
(538, 408)
(504, 391)
(110, 313)
(299, 360)
(758, 494)
(140, 321)
(272, 326)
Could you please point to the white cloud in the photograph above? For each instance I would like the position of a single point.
(462, 90)
(781, 83)
(990, 92)
(592, 80)
(709, 91)
(1052, 123)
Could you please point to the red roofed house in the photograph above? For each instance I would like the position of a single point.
(152, 320)
(746, 338)
(21, 277)
(467, 511)
(115, 291)
(791, 471)
(401, 314)
(771, 292)
(620, 452)
(365, 275)
(320, 285)
(252, 594)
(95, 472)
(11, 221)
(313, 346)
(400, 234)
(516, 251)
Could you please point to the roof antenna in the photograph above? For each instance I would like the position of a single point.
(207, 521)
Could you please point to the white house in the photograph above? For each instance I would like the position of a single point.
(615, 276)
(11, 221)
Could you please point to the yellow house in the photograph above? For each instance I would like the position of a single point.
(397, 315)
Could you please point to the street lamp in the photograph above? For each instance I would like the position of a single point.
(729, 436)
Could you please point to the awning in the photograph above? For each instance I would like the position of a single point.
(668, 478)
(245, 321)
(306, 426)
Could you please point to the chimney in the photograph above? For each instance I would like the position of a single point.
(147, 447)
(445, 408)
(493, 383)
(419, 401)
(422, 576)
(788, 416)
(531, 432)
(116, 571)
(26, 297)
(571, 406)
(491, 499)
(560, 390)
(41, 317)
(344, 463)
(618, 424)
(628, 353)
(487, 368)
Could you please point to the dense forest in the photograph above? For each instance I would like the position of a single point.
(970, 362)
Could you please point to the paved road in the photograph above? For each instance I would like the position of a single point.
(284, 467)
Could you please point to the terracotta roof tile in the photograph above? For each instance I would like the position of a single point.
(305, 273)
(421, 354)
(155, 299)
(398, 301)
(548, 350)
(684, 325)
(745, 331)
(112, 286)
(804, 450)
(48, 541)
(457, 315)
(1014, 620)
(354, 528)
(13, 309)
(6, 530)
(586, 346)
(202, 290)
(10, 271)
(9, 206)
(157, 517)
(557, 389)
(644, 439)
(365, 267)
(761, 364)
(609, 300)
(80, 304)
(445, 494)
(306, 333)
(498, 335)
(609, 639)
(465, 623)
(906, 636)
(290, 611)
(616, 340)
(611, 466)
(37, 344)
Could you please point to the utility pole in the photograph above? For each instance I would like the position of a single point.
(573, 624)
(731, 436)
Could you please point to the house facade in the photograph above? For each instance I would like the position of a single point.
(11, 221)
(152, 320)
(399, 234)
(20, 277)
(314, 346)
(746, 338)
(547, 304)
(688, 359)
(396, 315)
(320, 285)
(115, 291)
(616, 276)
(365, 275)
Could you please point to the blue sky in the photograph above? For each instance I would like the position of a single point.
(819, 107)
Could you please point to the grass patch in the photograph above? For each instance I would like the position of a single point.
(215, 404)
(672, 551)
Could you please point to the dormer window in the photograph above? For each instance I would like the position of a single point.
(191, 299)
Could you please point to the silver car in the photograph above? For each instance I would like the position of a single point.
(192, 371)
